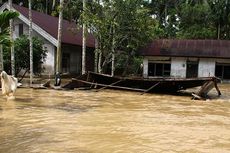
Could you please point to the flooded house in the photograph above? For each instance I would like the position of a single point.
(187, 58)
(46, 27)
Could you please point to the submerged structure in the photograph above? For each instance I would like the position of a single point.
(186, 58)
(97, 81)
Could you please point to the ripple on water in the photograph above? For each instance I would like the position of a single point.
(113, 121)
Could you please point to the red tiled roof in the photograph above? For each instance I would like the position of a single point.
(50, 25)
(188, 48)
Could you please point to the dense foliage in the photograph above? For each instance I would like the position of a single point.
(22, 54)
(4, 26)
(190, 19)
(122, 26)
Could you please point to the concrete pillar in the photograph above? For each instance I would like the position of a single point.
(206, 67)
(145, 67)
(178, 67)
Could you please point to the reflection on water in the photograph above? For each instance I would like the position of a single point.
(47, 121)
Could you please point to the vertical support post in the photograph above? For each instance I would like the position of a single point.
(145, 68)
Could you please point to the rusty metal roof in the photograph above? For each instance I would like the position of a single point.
(188, 48)
(50, 25)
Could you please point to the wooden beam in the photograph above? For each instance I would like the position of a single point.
(110, 86)
(217, 88)
(150, 88)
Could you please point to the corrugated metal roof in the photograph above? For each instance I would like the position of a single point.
(50, 25)
(188, 48)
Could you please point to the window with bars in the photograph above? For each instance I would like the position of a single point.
(20, 29)
(159, 69)
(223, 71)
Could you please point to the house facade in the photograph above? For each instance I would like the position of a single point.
(187, 58)
(46, 28)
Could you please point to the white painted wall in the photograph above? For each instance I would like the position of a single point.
(178, 67)
(206, 67)
(145, 67)
(48, 64)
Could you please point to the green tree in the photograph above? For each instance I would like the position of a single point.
(4, 26)
(166, 13)
(195, 22)
(4, 32)
(220, 10)
(116, 33)
(22, 53)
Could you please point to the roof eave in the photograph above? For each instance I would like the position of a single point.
(35, 27)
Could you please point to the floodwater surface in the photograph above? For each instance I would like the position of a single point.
(49, 121)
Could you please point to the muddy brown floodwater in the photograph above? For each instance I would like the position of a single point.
(48, 121)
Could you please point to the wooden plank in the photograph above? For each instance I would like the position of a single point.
(151, 88)
(111, 86)
(205, 88)
(195, 96)
(217, 88)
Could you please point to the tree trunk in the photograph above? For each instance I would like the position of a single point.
(126, 67)
(12, 46)
(113, 52)
(46, 9)
(59, 52)
(1, 58)
(96, 56)
(53, 5)
(31, 44)
(218, 31)
(84, 40)
(99, 62)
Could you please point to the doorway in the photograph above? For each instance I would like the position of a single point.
(66, 62)
(192, 69)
